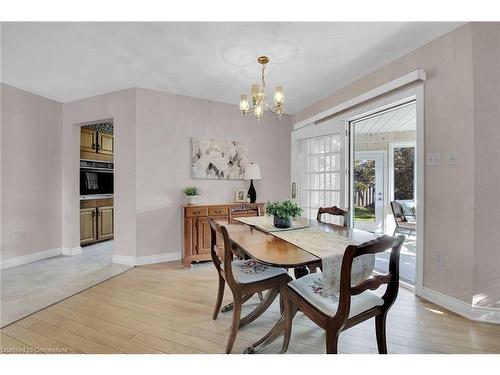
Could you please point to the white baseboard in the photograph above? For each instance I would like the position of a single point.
(72, 251)
(150, 259)
(24, 259)
(478, 313)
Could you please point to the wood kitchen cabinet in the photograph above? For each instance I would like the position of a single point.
(197, 236)
(96, 145)
(105, 225)
(96, 220)
(88, 140)
(106, 144)
(88, 226)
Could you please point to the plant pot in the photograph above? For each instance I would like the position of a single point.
(191, 199)
(282, 223)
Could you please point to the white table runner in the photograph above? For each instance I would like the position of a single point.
(329, 246)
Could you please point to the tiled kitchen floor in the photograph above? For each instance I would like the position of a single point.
(33, 286)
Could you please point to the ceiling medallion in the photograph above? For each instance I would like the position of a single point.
(257, 103)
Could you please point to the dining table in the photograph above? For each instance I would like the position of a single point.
(256, 239)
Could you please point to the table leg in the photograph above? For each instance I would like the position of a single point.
(275, 332)
(272, 335)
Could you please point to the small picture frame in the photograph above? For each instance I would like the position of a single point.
(240, 196)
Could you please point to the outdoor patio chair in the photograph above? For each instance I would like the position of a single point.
(404, 216)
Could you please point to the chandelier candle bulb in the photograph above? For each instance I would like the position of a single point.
(255, 92)
(244, 105)
(278, 95)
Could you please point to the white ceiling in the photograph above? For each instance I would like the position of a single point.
(399, 119)
(217, 61)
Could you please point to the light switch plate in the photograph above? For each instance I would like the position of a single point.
(433, 159)
(452, 158)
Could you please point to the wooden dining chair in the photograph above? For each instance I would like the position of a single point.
(335, 211)
(353, 304)
(245, 277)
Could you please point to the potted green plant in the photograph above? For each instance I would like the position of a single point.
(191, 192)
(283, 212)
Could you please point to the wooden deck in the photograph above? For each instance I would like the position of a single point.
(166, 308)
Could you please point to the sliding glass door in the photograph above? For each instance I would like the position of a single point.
(383, 188)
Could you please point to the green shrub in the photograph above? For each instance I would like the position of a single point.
(283, 210)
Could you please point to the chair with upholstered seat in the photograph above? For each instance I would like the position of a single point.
(353, 304)
(334, 211)
(245, 277)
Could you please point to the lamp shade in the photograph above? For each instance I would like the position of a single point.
(252, 172)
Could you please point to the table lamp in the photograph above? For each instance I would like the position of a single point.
(252, 172)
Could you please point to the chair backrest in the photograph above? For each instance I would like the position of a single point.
(224, 266)
(347, 290)
(335, 211)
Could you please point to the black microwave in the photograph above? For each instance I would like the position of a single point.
(96, 177)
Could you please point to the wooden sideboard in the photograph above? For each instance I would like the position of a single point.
(196, 245)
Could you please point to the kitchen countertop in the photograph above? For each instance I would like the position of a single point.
(95, 196)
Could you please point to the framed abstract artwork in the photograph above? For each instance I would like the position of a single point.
(218, 159)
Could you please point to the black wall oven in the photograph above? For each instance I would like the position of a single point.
(96, 178)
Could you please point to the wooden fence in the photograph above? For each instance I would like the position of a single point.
(364, 198)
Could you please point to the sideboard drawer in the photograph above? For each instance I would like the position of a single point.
(217, 211)
(196, 211)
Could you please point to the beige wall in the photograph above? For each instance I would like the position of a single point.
(165, 125)
(449, 126)
(30, 173)
(153, 133)
(486, 58)
(119, 106)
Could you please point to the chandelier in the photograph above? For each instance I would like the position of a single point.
(257, 102)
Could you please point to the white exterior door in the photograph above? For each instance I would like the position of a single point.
(369, 199)
(319, 167)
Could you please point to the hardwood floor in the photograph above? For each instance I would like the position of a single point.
(166, 308)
